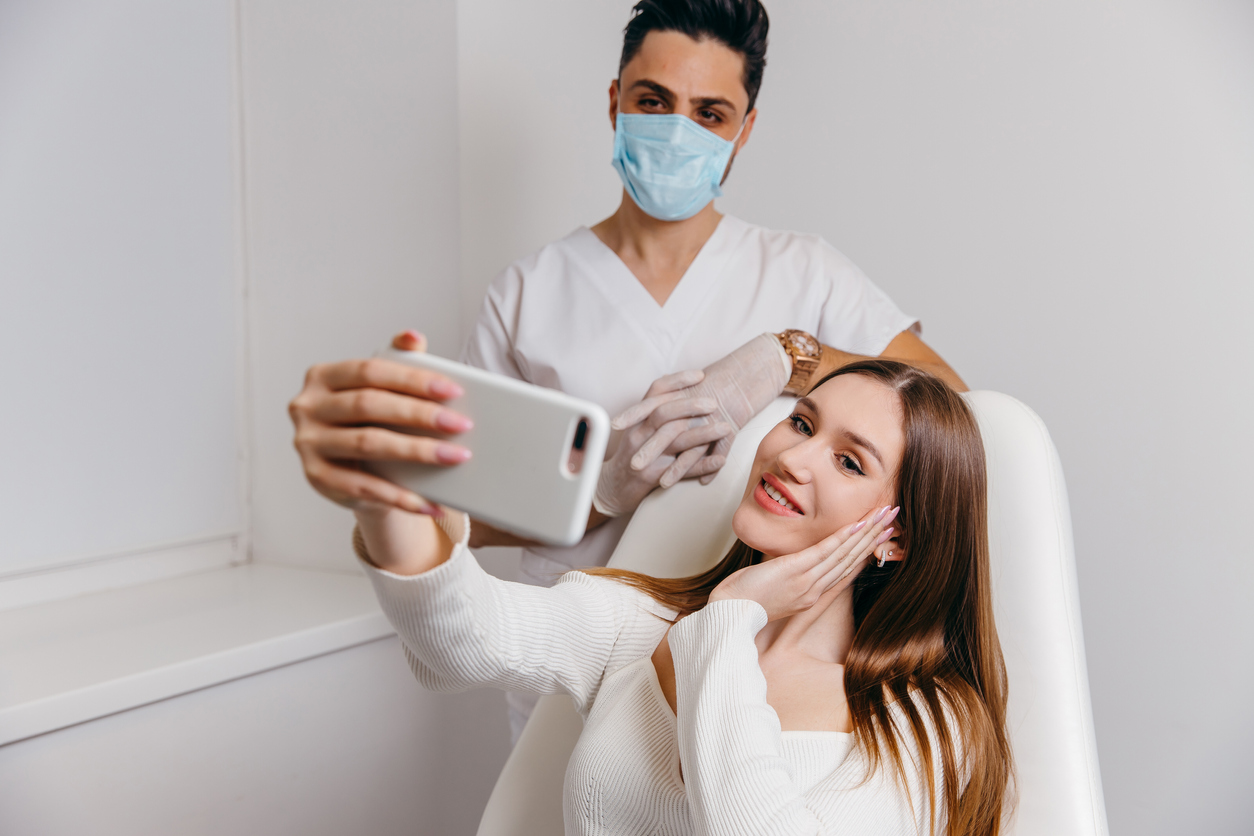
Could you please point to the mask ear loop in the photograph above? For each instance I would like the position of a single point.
(734, 151)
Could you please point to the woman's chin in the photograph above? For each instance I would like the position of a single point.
(754, 531)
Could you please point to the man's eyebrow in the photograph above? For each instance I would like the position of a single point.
(699, 101)
(713, 101)
(660, 89)
(859, 440)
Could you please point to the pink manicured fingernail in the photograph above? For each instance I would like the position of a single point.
(415, 504)
(879, 516)
(451, 453)
(858, 527)
(445, 389)
(892, 515)
(884, 537)
(451, 422)
(422, 506)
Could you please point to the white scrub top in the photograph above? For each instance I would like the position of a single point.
(572, 317)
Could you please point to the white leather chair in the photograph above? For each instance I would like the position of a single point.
(1035, 596)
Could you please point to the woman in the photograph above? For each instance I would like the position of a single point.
(837, 672)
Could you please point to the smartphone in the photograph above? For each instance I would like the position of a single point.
(537, 454)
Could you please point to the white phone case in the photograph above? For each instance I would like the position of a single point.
(518, 479)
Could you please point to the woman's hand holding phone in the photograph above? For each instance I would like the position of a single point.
(334, 414)
(793, 583)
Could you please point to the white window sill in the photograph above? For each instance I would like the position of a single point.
(66, 662)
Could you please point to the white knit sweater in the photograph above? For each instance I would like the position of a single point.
(593, 638)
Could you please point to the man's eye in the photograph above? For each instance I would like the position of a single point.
(849, 463)
(800, 425)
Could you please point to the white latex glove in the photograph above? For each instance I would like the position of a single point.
(743, 383)
(627, 477)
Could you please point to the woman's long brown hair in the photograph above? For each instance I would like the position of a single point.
(924, 633)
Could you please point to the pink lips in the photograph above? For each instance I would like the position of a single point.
(779, 486)
(764, 499)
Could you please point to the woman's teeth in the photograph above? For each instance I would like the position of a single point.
(778, 497)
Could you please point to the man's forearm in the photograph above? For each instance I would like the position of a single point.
(482, 534)
(902, 350)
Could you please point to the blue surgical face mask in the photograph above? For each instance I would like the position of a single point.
(670, 165)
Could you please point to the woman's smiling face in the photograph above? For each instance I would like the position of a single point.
(832, 461)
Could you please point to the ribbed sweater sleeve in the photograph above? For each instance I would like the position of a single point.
(731, 746)
(729, 737)
(462, 628)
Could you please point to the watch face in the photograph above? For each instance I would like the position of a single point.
(801, 342)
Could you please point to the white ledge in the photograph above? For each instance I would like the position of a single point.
(66, 662)
(115, 571)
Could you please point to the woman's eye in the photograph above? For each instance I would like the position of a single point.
(799, 424)
(849, 463)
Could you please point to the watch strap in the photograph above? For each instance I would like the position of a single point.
(805, 352)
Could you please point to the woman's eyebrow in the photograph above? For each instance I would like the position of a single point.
(859, 440)
(865, 444)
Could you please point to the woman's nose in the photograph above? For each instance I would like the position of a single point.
(795, 462)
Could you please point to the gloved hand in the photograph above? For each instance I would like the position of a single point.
(742, 384)
(627, 477)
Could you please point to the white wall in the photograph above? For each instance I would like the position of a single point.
(341, 744)
(118, 175)
(118, 297)
(350, 127)
(535, 137)
(1064, 193)
(350, 133)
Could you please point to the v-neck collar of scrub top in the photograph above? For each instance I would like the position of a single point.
(662, 326)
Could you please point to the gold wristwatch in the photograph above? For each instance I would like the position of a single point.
(804, 351)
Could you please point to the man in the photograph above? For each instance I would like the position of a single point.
(708, 317)
(666, 283)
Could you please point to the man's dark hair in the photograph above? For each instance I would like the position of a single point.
(740, 25)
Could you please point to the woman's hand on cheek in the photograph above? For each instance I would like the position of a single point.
(793, 583)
